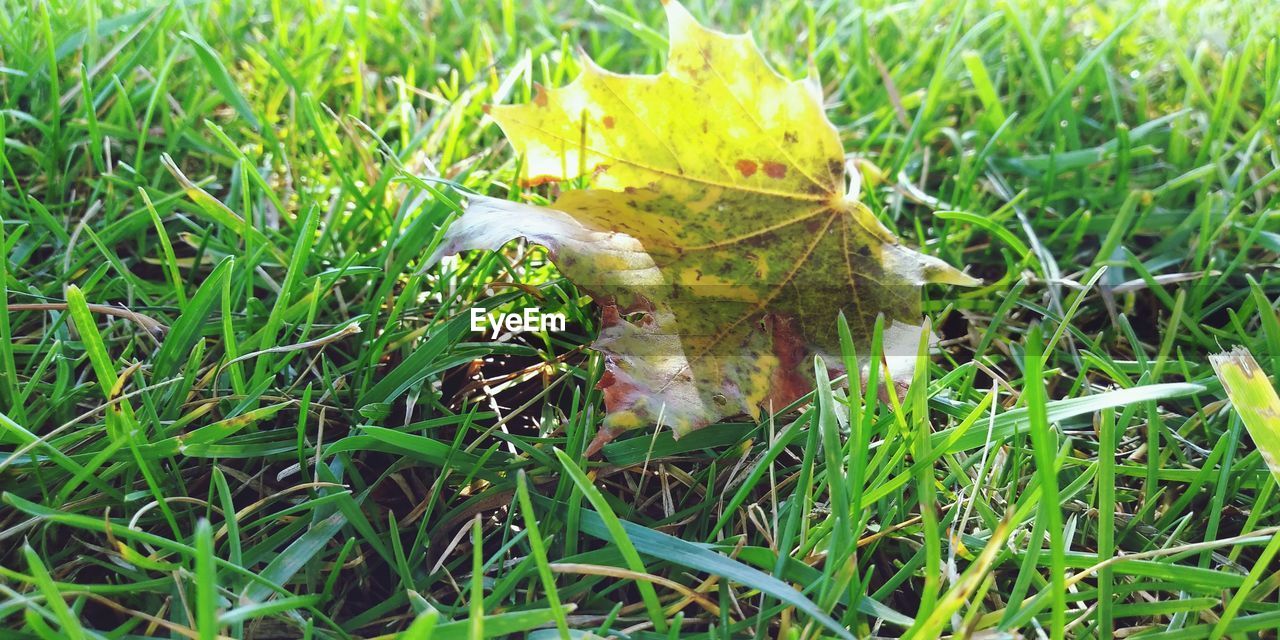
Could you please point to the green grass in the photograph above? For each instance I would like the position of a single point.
(232, 402)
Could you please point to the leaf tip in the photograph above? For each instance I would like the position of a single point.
(604, 436)
(936, 271)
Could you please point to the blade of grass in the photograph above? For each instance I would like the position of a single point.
(618, 535)
(539, 552)
(206, 583)
(68, 620)
(1045, 447)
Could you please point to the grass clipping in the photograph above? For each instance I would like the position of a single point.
(1254, 400)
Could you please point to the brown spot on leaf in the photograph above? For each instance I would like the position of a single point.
(775, 170)
(788, 382)
(608, 122)
(539, 95)
(836, 167)
(746, 167)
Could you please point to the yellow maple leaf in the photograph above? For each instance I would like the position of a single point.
(718, 235)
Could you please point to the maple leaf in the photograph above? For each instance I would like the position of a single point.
(718, 235)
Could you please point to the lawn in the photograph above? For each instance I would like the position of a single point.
(237, 400)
